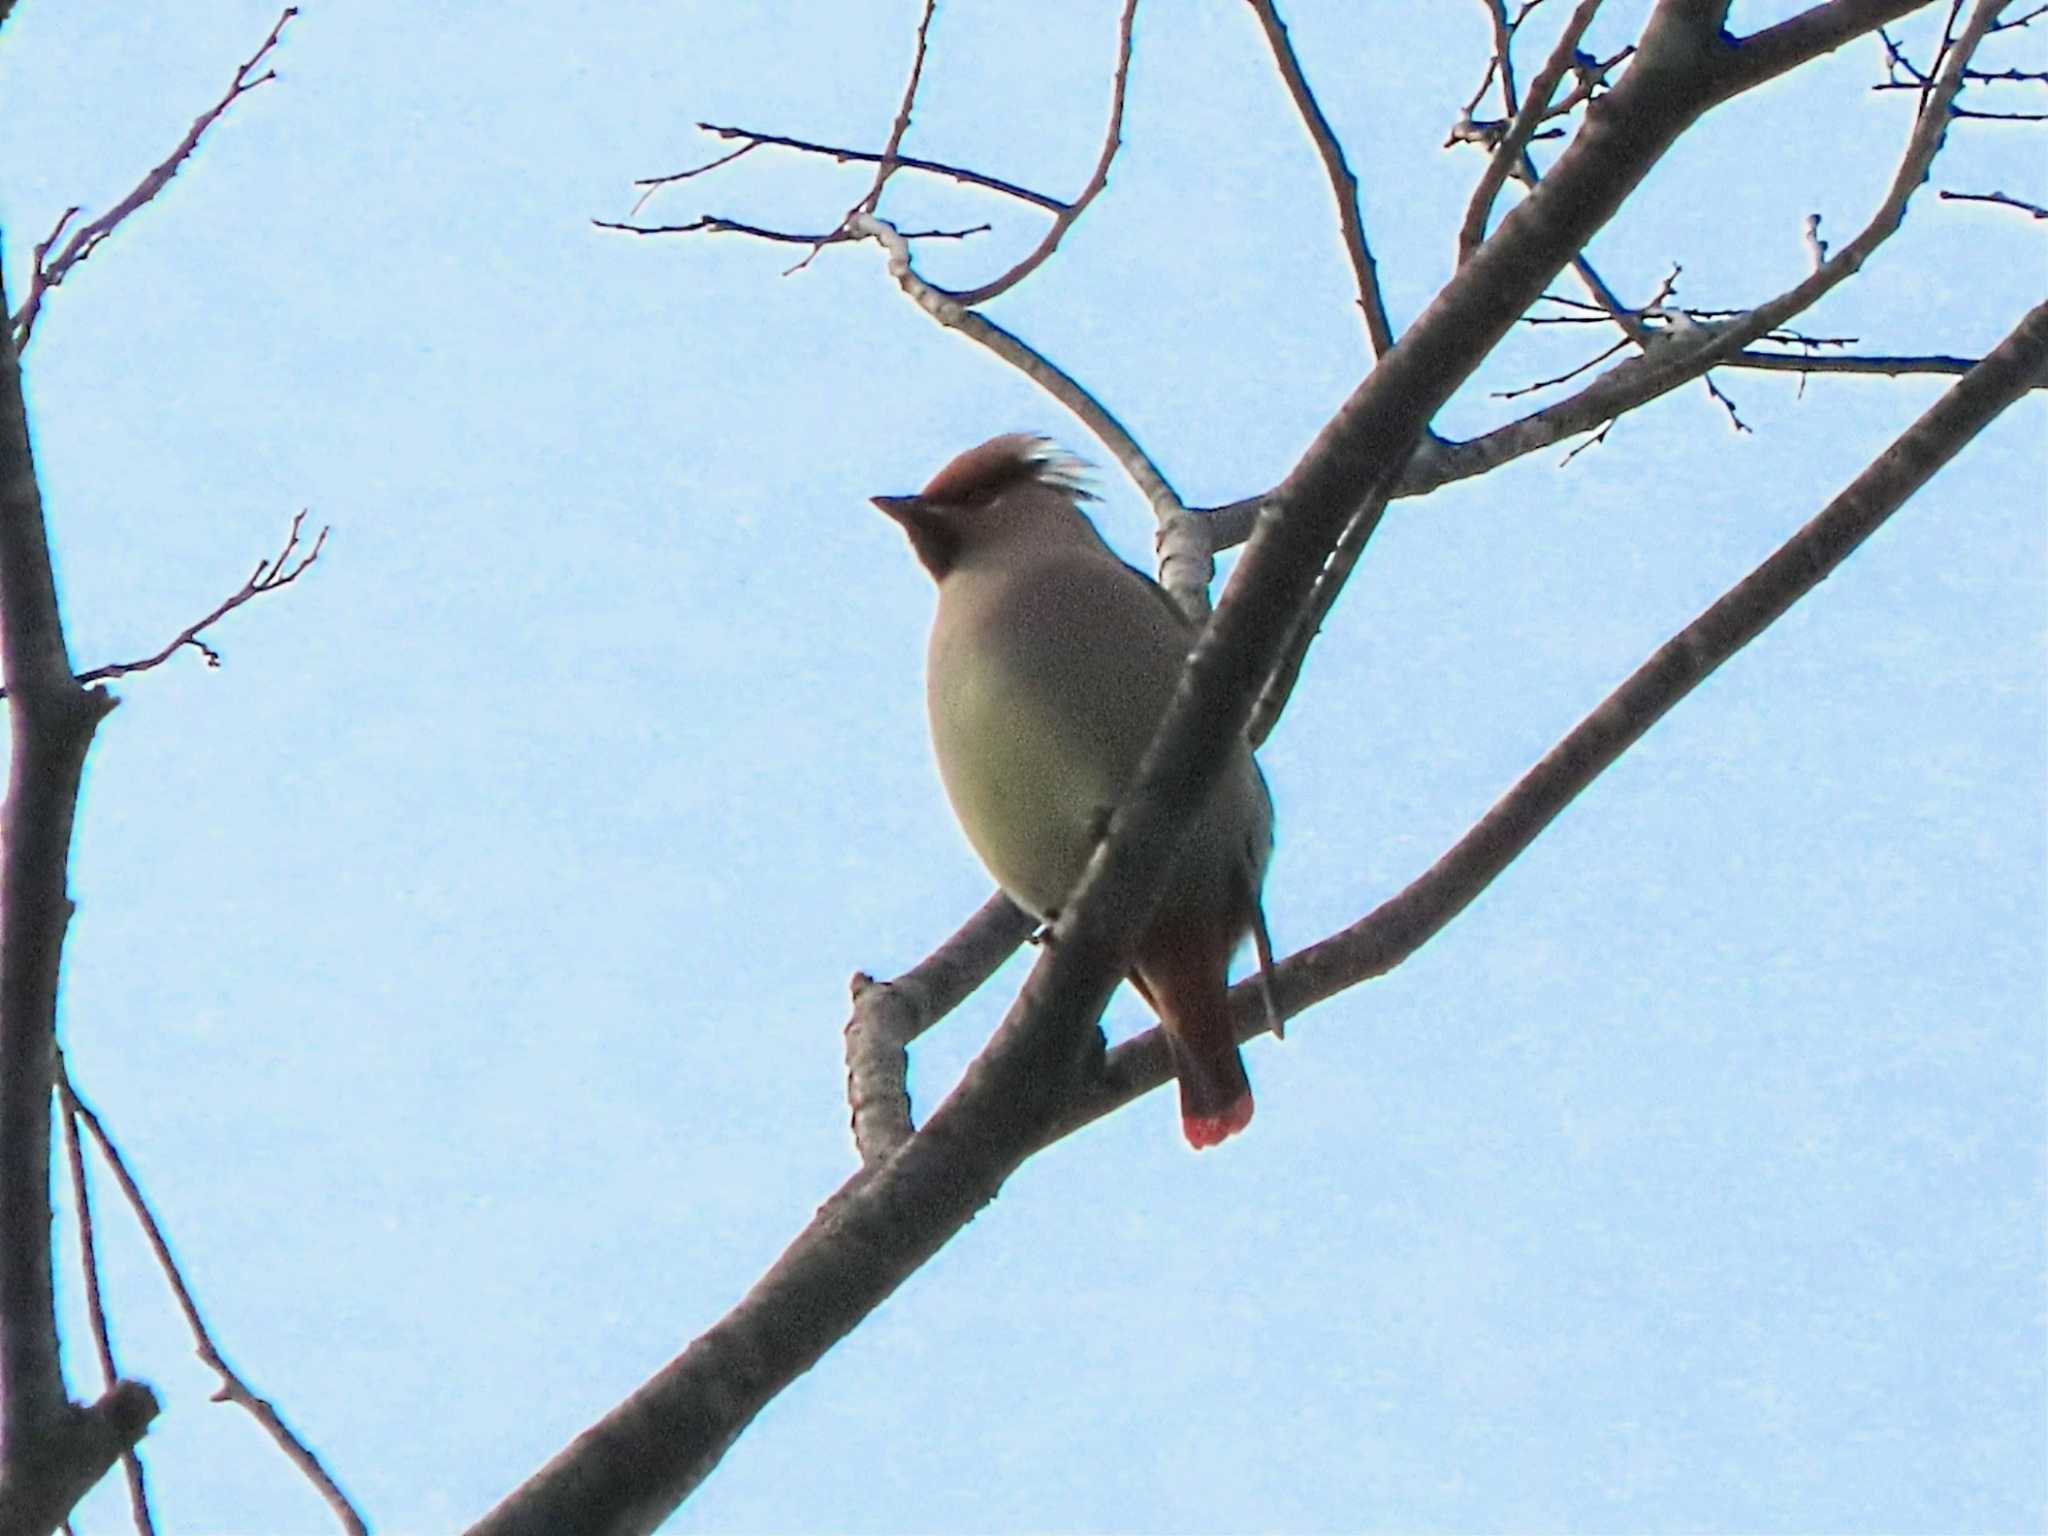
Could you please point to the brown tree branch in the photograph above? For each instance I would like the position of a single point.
(51, 1451)
(1817, 30)
(86, 238)
(1400, 926)
(888, 1015)
(1343, 183)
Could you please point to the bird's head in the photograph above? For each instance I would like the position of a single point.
(1017, 488)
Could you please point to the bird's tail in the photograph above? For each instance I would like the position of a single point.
(1185, 984)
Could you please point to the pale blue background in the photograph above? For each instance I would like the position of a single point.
(463, 965)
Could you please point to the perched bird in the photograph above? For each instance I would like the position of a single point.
(1050, 668)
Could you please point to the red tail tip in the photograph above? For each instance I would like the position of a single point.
(1204, 1131)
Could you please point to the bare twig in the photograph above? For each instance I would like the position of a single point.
(1816, 247)
(2032, 210)
(1279, 685)
(1681, 358)
(1894, 367)
(1592, 442)
(1504, 30)
(1891, 365)
(1562, 378)
(1064, 221)
(711, 224)
(753, 140)
(281, 570)
(885, 164)
(233, 1389)
(1898, 65)
(86, 238)
(95, 1307)
(1511, 154)
(1343, 183)
(2007, 76)
(649, 185)
(1721, 398)
(1941, 54)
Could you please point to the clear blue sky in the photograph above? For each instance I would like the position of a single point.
(463, 965)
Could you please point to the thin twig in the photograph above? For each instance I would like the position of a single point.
(86, 238)
(2032, 210)
(1279, 686)
(1512, 152)
(1562, 378)
(95, 1306)
(1064, 221)
(281, 570)
(1941, 53)
(649, 185)
(1890, 367)
(754, 140)
(1680, 359)
(1592, 442)
(885, 163)
(1343, 183)
(232, 1389)
(1896, 365)
(711, 224)
(1978, 77)
(1726, 403)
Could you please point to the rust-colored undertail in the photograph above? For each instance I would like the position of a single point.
(1182, 970)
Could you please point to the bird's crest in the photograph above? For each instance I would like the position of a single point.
(1001, 462)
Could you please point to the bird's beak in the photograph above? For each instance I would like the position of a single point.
(937, 545)
(902, 508)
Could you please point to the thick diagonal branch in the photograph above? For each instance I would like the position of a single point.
(1403, 924)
